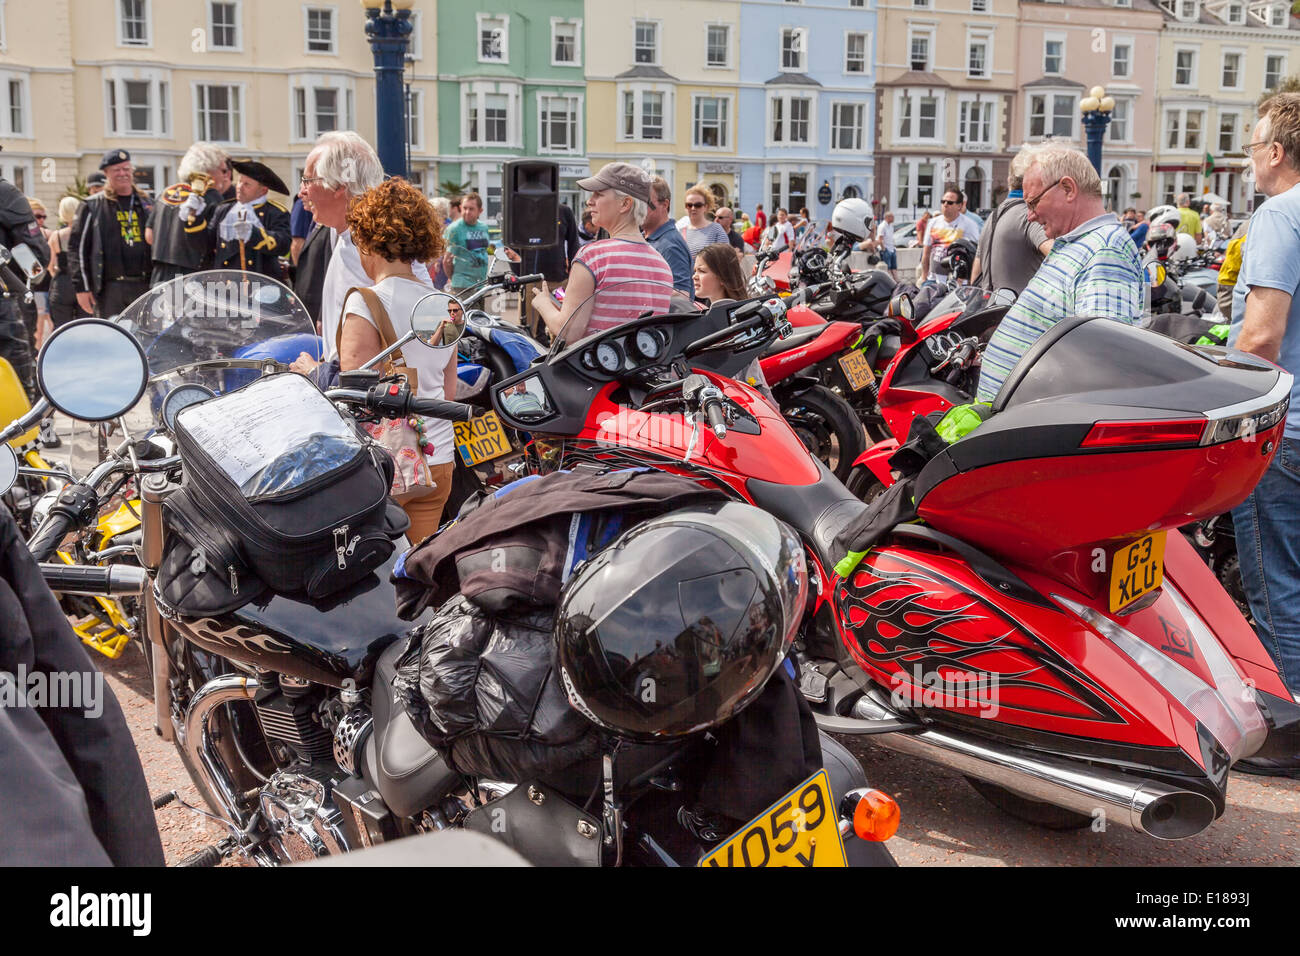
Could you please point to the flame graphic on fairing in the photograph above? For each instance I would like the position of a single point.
(918, 627)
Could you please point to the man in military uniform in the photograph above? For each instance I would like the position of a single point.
(107, 254)
(18, 226)
(178, 226)
(251, 232)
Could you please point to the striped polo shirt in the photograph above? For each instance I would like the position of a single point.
(631, 277)
(1092, 270)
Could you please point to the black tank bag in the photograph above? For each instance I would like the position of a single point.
(279, 486)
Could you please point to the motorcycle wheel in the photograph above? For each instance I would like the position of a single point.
(1227, 567)
(864, 485)
(1041, 814)
(827, 426)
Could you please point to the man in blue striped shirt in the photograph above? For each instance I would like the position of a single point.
(1093, 268)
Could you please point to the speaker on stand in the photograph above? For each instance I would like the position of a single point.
(530, 212)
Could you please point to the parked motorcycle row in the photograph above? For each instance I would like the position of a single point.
(661, 592)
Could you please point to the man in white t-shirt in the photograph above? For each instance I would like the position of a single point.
(339, 168)
(781, 232)
(885, 245)
(944, 230)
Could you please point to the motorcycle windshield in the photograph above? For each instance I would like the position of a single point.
(468, 265)
(194, 328)
(816, 235)
(616, 304)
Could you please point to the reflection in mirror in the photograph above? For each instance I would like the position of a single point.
(526, 400)
(92, 370)
(900, 307)
(1004, 296)
(8, 468)
(438, 320)
(26, 260)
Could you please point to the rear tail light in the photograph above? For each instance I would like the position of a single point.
(872, 814)
(1120, 434)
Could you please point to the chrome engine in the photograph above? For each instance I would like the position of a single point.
(298, 810)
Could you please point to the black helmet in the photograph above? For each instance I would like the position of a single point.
(958, 259)
(679, 623)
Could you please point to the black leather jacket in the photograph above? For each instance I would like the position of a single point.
(86, 243)
(18, 227)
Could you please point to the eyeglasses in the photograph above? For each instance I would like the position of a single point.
(40, 217)
(1032, 204)
(695, 205)
(308, 180)
(1249, 148)
(949, 202)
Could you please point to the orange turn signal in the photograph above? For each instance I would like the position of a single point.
(875, 815)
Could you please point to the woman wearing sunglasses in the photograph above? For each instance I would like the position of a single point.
(701, 231)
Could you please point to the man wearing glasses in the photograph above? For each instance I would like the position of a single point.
(1092, 269)
(1266, 322)
(944, 230)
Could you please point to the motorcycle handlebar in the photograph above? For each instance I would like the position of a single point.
(380, 400)
(437, 408)
(49, 535)
(110, 581)
(714, 415)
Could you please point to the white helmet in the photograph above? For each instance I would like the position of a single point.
(852, 217)
(1184, 250)
(1164, 213)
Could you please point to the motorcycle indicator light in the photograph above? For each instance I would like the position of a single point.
(873, 814)
(1120, 434)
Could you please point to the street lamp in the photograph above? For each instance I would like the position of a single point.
(388, 29)
(1096, 107)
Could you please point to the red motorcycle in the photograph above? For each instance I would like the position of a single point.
(1041, 632)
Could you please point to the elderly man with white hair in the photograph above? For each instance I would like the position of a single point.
(341, 167)
(1092, 268)
(177, 229)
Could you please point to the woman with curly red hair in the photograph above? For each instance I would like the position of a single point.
(394, 225)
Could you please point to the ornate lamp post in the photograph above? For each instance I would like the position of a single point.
(388, 28)
(1096, 107)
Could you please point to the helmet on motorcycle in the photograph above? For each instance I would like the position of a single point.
(852, 217)
(958, 259)
(679, 623)
(1164, 214)
(1185, 248)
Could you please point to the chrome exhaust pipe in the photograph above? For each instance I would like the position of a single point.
(198, 744)
(1146, 806)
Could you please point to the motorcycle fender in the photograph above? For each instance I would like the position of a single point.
(876, 459)
(543, 827)
(794, 385)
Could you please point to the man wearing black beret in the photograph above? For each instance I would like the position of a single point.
(251, 232)
(108, 255)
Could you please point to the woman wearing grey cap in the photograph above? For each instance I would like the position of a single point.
(614, 280)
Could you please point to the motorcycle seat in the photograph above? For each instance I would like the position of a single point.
(791, 342)
(405, 769)
(817, 511)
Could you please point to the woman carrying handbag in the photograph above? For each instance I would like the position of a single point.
(393, 225)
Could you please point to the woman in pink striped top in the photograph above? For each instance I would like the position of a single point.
(613, 280)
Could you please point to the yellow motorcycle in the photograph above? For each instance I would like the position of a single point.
(102, 623)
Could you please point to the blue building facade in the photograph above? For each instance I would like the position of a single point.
(807, 103)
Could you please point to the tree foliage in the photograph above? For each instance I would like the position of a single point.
(1290, 84)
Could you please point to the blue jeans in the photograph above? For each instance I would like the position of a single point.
(1267, 526)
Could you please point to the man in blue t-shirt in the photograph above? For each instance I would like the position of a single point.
(466, 260)
(1266, 322)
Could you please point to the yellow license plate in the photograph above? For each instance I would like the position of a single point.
(800, 829)
(1137, 570)
(481, 439)
(857, 370)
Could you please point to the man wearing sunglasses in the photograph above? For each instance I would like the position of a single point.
(1266, 322)
(1092, 269)
(943, 231)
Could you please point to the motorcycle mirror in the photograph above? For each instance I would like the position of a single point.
(438, 320)
(26, 260)
(8, 468)
(900, 307)
(92, 370)
(1004, 296)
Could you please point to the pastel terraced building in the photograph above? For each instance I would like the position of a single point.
(945, 93)
(1216, 58)
(806, 78)
(511, 85)
(662, 90)
(1065, 49)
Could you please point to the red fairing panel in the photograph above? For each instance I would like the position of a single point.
(834, 339)
(776, 454)
(778, 270)
(802, 317)
(933, 632)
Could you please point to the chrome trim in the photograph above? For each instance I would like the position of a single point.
(354, 728)
(1274, 395)
(198, 744)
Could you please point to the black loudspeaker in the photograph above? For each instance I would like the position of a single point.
(531, 206)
